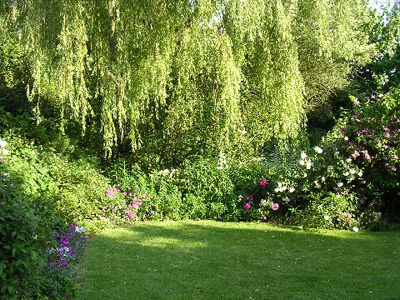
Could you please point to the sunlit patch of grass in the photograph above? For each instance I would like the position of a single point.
(214, 260)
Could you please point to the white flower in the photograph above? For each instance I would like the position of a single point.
(337, 153)
(300, 227)
(348, 160)
(340, 184)
(346, 174)
(318, 150)
(318, 186)
(5, 152)
(323, 179)
(79, 229)
(286, 200)
(305, 175)
(291, 190)
(326, 218)
(330, 168)
(302, 162)
(280, 188)
(309, 164)
(3, 144)
(303, 155)
(346, 138)
(352, 171)
(355, 229)
(360, 174)
(33, 152)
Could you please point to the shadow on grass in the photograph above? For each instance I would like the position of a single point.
(213, 260)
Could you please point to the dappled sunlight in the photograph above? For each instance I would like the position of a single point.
(176, 259)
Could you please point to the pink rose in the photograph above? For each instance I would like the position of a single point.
(250, 198)
(263, 183)
(246, 206)
(265, 218)
(275, 206)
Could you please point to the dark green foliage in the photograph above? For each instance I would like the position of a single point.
(26, 223)
(373, 132)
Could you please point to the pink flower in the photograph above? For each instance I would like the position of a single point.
(355, 154)
(250, 198)
(265, 218)
(246, 206)
(263, 183)
(275, 206)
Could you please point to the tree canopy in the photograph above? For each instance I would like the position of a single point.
(173, 79)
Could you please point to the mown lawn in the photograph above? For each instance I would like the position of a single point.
(214, 260)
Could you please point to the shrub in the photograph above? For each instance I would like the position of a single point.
(24, 234)
(351, 179)
(372, 136)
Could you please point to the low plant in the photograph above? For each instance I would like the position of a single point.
(58, 276)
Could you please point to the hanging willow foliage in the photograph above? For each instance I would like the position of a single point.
(179, 78)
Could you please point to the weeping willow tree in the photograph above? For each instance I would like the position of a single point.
(173, 79)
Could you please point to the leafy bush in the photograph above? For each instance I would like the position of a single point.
(24, 234)
(28, 223)
(205, 188)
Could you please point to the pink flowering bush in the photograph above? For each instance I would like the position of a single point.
(372, 143)
(352, 178)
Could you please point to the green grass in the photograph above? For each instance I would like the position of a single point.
(214, 260)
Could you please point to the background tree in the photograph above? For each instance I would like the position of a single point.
(382, 73)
